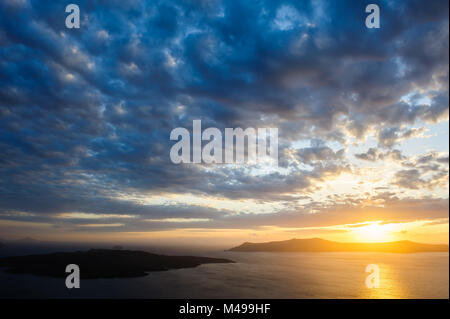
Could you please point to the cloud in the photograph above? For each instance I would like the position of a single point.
(319, 153)
(374, 154)
(388, 137)
(424, 171)
(85, 114)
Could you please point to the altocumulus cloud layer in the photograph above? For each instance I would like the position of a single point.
(86, 114)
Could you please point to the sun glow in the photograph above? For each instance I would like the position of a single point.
(375, 232)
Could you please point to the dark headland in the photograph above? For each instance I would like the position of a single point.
(102, 263)
(321, 245)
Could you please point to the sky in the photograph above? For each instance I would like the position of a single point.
(362, 118)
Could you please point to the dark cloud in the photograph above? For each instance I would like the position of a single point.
(388, 137)
(374, 154)
(426, 171)
(319, 153)
(414, 179)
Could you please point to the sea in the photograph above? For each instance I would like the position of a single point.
(257, 275)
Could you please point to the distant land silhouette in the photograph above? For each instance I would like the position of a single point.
(102, 263)
(322, 245)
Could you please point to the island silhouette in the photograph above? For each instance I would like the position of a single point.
(322, 245)
(102, 263)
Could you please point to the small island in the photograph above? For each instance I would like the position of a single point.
(102, 263)
(322, 245)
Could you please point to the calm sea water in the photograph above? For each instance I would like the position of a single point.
(261, 275)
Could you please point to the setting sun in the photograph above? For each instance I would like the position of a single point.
(374, 233)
